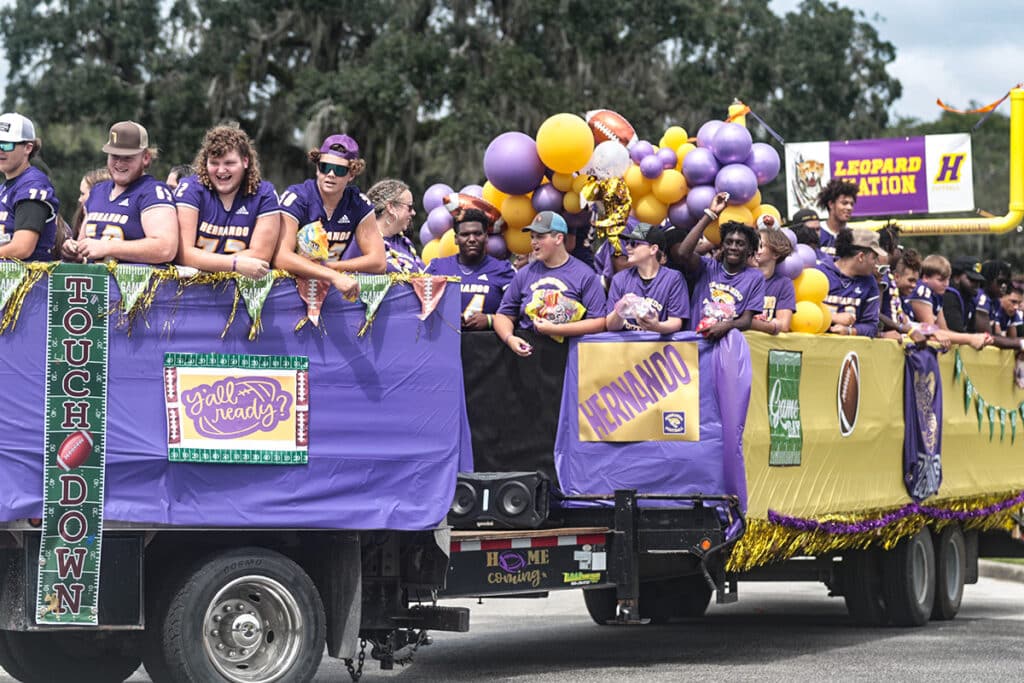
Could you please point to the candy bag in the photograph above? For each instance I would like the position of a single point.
(553, 306)
(311, 241)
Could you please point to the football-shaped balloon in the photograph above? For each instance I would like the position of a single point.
(848, 393)
(74, 450)
(458, 202)
(609, 125)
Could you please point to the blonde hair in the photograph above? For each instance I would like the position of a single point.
(385, 192)
(936, 264)
(777, 241)
(221, 140)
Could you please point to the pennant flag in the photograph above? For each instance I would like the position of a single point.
(1002, 423)
(132, 280)
(11, 275)
(313, 292)
(372, 289)
(429, 290)
(968, 395)
(254, 293)
(958, 366)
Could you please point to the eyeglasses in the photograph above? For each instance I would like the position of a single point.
(882, 269)
(633, 244)
(9, 146)
(338, 169)
(408, 206)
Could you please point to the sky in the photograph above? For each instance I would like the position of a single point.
(956, 51)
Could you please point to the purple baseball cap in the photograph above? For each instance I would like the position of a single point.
(341, 145)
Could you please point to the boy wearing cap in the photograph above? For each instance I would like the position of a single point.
(853, 295)
(646, 297)
(28, 202)
(553, 271)
(965, 281)
(131, 217)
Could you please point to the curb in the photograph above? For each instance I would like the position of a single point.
(1002, 571)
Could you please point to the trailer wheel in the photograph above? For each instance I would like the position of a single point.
(862, 587)
(950, 571)
(909, 572)
(693, 596)
(601, 603)
(7, 660)
(247, 615)
(81, 656)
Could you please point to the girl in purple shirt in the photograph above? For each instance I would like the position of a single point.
(779, 295)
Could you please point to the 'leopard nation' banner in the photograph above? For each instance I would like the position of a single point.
(75, 446)
(233, 408)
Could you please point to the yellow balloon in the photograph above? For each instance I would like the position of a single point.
(739, 214)
(431, 250)
(565, 143)
(448, 246)
(649, 210)
(578, 182)
(713, 233)
(673, 137)
(768, 209)
(811, 285)
(518, 211)
(562, 181)
(684, 149)
(638, 185)
(826, 319)
(807, 318)
(517, 241)
(572, 203)
(754, 202)
(669, 187)
(493, 195)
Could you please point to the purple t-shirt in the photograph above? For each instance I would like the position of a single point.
(923, 293)
(304, 203)
(31, 185)
(858, 295)
(220, 230)
(779, 295)
(400, 255)
(665, 293)
(983, 303)
(121, 218)
(482, 285)
(1006, 320)
(574, 279)
(827, 241)
(744, 291)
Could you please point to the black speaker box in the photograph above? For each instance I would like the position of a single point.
(500, 500)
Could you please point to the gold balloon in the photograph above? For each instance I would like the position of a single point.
(565, 143)
(811, 285)
(571, 202)
(754, 202)
(638, 184)
(447, 245)
(649, 210)
(518, 211)
(517, 241)
(674, 137)
(768, 209)
(739, 214)
(669, 187)
(562, 181)
(807, 318)
(431, 250)
(493, 195)
(826, 318)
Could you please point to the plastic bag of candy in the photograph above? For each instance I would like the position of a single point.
(553, 306)
(715, 312)
(311, 241)
(633, 306)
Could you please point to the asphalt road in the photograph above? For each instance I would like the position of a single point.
(776, 632)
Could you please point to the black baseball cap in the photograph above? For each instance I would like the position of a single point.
(969, 267)
(804, 215)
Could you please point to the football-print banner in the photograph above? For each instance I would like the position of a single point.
(75, 446)
(233, 408)
(894, 176)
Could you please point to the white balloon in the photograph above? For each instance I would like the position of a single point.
(609, 160)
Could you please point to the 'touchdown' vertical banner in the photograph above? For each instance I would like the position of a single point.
(786, 429)
(75, 445)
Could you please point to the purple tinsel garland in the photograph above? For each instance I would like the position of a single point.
(888, 518)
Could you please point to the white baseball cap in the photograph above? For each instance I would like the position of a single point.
(16, 128)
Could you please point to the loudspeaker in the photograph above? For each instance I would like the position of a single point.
(500, 500)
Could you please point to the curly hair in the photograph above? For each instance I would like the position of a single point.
(753, 241)
(910, 259)
(221, 140)
(472, 216)
(384, 192)
(889, 238)
(777, 241)
(355, 167)
(834, 190)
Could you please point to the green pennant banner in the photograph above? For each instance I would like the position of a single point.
(254, 293)
(784, 424)
(132, 280)
(968, 395)
(991, 411)
(11, 275)
(74, 446)
(1013, 427)
(979, 406)
(372, 289)
(958, 365)
(1002, 424)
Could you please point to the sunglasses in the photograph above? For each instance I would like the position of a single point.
(633, 244)
(9, 146)
(338, 169)
(882, 270)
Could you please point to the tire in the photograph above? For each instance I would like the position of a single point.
(247, 615)
(80, 656)
(8, 661)
(693, 595)
(862, 587)
(601, 604)
(909, 580)
(950, 572)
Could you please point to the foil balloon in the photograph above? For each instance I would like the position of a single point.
(610, 203)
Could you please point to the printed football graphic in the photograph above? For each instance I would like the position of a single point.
(609, 125)
(74, 450)
(848, 394)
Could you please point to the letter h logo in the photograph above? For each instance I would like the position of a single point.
(949, 167)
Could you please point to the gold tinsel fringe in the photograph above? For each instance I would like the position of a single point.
(36, 271)
(765, 542)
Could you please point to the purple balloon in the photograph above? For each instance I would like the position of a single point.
(578, 220)
(699, 198)
(790, 235)
(731, 143)
(511, 163)
(473, 191)
(807, 254)
(425, 234)
(668, 157)
(641, 150)
(651, 166)
(707, 132)
(736, 179)
(700, 167)
(434, 196)
(439, 221)
(679, 215)
(496, 246)
(764, 162)
(547, 198)
(791, 266)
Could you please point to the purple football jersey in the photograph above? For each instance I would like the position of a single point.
(923, 293)
(744, 291)
(400, 255)
(857, 295)
(121, 218)
(665, 293)
(779, 295)
(482, 285)
(220, 230)
(983, 303)
(31, 185)
(827, 241)
(304, 203)
(1007, 320)
(574, 279)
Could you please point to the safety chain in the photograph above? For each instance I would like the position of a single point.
(357, 672)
